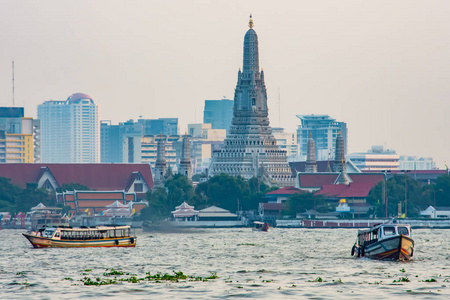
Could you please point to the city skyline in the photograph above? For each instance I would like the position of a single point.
(380, 67)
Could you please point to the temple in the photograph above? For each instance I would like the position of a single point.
(250, 149)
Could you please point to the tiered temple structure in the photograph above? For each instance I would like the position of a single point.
(250, 149)
(185, 167)
(311, 164)
(339, 162)
(160, 164)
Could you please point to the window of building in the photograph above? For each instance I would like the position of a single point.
(138, 187)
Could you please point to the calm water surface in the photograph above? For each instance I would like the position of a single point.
(279, 264)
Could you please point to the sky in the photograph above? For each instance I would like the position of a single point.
(383, 66)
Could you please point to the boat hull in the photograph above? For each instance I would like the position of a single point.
(43, 242)
(396, 248)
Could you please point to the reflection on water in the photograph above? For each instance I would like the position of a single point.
(281, 263)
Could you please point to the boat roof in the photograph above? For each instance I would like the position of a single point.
(98, 227)
(375, 227)
(258, 222)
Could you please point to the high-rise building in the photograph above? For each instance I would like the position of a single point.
(250, 149)
(144, 149)
(164, 126)
(218, 113)
(324, 131)
(19, 136)
(112, 139)
(70, 130)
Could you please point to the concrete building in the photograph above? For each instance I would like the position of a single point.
(377, 159)
(324, 131)
(407, 162)
(218, 113)
(70, 130)
(164, 126)
(144, 149)
(112, 139)
(19, 136)
(250, 149)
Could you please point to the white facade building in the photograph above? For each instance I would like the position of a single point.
(376, 158)
(287, 141)
(70, 130)
(416, 163)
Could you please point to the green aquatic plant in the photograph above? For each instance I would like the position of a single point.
(19, 273)
(318, 279)
(402, 279)
(402, 270)
(113, 272)
(429, 280)
(98, 281)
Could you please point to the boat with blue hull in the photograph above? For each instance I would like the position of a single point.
(79, 237)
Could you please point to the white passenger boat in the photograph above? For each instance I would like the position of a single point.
(68, 237)
(385, 241)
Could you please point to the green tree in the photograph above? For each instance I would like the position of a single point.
(300, 203)
(158, 206)
(442, 190)
(31, 197)
(8, 194)
(179, 190)
(396, 194)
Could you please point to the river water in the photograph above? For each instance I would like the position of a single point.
(279, 264)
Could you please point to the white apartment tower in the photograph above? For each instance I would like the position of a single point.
(70, 130)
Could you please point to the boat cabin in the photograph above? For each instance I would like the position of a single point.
(381, 232)
(86, 233)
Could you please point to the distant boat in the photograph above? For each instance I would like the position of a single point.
(260, 226)
(385, 241)
(68, 237)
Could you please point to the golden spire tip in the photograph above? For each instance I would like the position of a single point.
(250, 23)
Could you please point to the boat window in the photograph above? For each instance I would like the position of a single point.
(389, 231)
(403, 230)
(57, 234)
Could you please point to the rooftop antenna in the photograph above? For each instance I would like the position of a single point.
(13, 83)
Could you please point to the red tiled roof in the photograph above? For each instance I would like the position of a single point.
(400, 172)
(309, 180)
(316, 179)
(95, 176)
(288, 190)
(354, 190)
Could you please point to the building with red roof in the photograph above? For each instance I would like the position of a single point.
(132, 178)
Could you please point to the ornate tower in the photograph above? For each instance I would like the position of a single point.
(339, 157)
(160, 165)
(339, 162)
(185, 167)
(311, 164)
(250, 149)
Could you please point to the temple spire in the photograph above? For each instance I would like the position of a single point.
(160, 165)
(250, 23)
(311, 164)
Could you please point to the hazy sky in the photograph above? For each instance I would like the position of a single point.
(381, 66)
